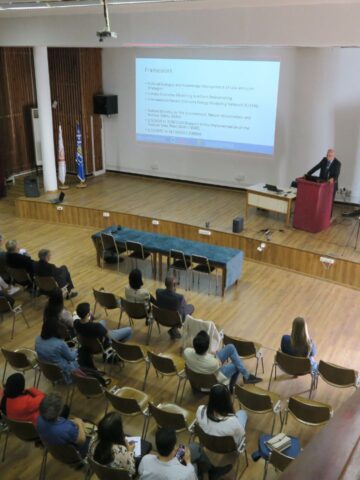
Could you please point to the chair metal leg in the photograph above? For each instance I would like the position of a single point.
(262, 364)
(265, 469)
(182, 393)
(148, 336)
(273, 424)
(3, 377)
(147, 368)
(95, 308)
(145, 426)
(5, 444)
(43, 465)
(25, 319)
(178, 387)
(13, 326)
(38, 379)
(271, 374)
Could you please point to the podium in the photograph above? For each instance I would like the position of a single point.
(313, 205)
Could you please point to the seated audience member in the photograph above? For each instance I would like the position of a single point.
(3, 272)
(134, 292)
(86, 327)
(55, 308)
(19, 403)
(55, 429)
(218, 417)
(110, 447)
(168, 299)
(18, 258)
(7, 289)
(299, 343)
(51, 347)
(226, 363)
(43, 268)
(166, 465)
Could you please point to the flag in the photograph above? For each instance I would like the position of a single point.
(61, 158)
(79, 155)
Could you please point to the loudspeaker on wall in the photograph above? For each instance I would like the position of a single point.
(105, 104)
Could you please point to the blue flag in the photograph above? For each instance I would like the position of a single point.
(79, 155)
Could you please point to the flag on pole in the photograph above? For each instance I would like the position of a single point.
(61, 158)
(79, 155)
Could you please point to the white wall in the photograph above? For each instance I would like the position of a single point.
(318, 108)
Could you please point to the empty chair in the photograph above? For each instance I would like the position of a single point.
(199, 381)
(137, 311)
(167, 318)
(21, 360)
(223, 445)
(202, 266)
(168, 365)
(107, 473)
(172, 416)
(337, 376)
(6, 308)
(178, 262)
(308, 412)
(130, 401)
(25, 431)
(246, 349)
(278, 460)
(135, 251)
(132, 353)
(258, 400)
(110, 248)
(90, 387)
(108, 301)
(294, 366)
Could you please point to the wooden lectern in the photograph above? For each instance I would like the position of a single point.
(313, 205)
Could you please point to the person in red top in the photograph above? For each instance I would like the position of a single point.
(19, 403)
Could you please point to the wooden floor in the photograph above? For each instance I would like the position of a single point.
(195, 205)
(261, 307)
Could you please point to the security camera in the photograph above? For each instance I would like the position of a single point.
(102, 34)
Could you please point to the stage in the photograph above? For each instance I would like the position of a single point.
(183, 208)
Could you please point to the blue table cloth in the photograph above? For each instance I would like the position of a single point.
(230, 259)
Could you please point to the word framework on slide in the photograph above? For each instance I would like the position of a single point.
(223, 104)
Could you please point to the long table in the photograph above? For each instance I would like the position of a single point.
(228, 260)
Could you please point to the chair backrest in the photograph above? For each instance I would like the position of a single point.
(279, 460)
(105, 299)
(88, 386)
(162, 364)
(337, 376)
(51, 371)
(254, 399)
(66, 454)
(134, 310)
(129, 352)
(200, 260)
(200, 381)
(93, 344)
(124, 405)
(245, 348)
(221, 445)
(293, 365)
(5, 306)
(107, 473)
(20, 275)
(26, 431)
(167, 318)
(168, 419)
(46, 284)
(177, 255)
(17, 360)
(136, 247)
(108, 241)
(308, 411)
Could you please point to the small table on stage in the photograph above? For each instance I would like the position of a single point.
(260, 197)
(228, 260)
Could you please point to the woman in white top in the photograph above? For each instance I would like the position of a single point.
(134, 293)
(218, 417)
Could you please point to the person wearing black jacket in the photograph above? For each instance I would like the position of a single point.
(18, 259)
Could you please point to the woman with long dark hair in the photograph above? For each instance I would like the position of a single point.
(110, 446)
(218, 417)
(55, 309)
(299, 343)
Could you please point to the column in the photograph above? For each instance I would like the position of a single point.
(45, 117)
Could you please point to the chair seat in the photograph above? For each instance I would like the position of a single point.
(202, 268)
(178, 361)
(139, 256)
(293, 451)
(141, 398)
(261, 391)
(30, 355)
(173, 408)
(180, 265)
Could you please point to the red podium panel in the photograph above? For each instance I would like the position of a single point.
(313, 205)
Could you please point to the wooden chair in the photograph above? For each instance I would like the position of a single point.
(178, 262)
(308, 412)
(130, 401)
(246, 349)
(25, 431)
(90, 387)
(108, 301)
(168, 365)
(132, 353)
(107, 473)
(46, 285)
(137, 311)
(223, 445)
(54, 374)
(166, 318)
(21, 277)
(337, 376)
(278, 460)
(6, 308)
(21, 360)
(260, 401)
(170, 415)
(200, 265)
(109, 246)
(294, 366)
(199, 381)
(135, 251)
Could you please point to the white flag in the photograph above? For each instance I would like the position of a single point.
(61, 158)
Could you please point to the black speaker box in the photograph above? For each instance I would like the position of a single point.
(238, 224)
(31, 186)
(105, 104)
